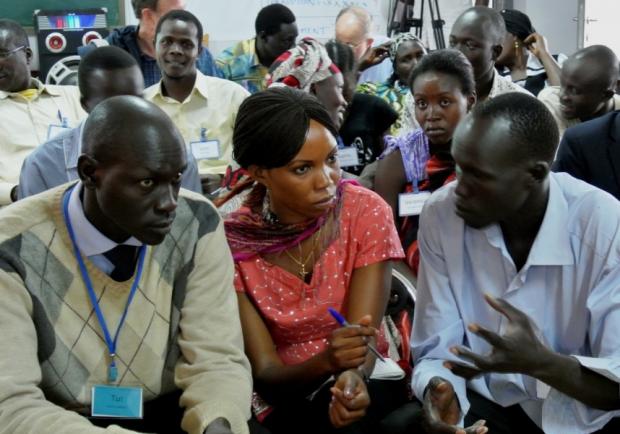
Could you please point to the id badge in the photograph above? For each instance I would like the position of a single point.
(348, 156)
(205, 150)
(54, 130)
(116, 402)
(412, 203)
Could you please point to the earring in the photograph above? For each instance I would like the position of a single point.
(517, 45)
(268, 215)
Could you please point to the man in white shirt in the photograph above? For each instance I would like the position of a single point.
(519, 286)
(589, 80)
(31, 111)
(203, 108)
(353, 25)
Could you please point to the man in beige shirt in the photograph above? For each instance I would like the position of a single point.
(28, 108)
(203, 108)
(589, 81)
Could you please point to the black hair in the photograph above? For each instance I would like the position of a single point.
(181, 15)
(106, 58)
(533, 130)
(517, 23)
(19, 35)
(450, 62)
(272, 125)
(270, 19)
(138, 5)
(497, 28)
(342, 56)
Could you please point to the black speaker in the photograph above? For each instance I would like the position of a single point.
(60, 32)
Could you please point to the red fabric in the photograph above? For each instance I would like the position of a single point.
(296, 312)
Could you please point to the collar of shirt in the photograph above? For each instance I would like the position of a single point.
(200, 86)
(552, 243)
(39, 86)
(88, 238)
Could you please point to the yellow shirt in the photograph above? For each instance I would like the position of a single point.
(213, 105)
(26, 117)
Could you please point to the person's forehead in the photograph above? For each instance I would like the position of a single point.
(582, 74)
(164, 6)
(287, 30)
(435, 81)
(349, 30)
(118, 78)
(7, 40)
(484, 142)
(471, 26)
(179, 28)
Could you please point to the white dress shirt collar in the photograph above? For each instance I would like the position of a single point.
(89, 239)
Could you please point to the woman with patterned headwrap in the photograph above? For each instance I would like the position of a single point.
(308, 67)
(405, 52)
(525, 58)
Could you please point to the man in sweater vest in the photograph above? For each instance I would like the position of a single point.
(117, 290)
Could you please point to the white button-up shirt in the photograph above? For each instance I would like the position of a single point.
(569, 286)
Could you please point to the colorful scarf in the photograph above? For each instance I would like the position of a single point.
(302, 66)
(249, 234)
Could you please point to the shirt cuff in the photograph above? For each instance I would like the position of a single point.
(426, 369)
(5, 193)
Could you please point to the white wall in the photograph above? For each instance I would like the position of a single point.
(554, 20)
(225, 24)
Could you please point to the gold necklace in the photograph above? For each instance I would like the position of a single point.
(301, 263)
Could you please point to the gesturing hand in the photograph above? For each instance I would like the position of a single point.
(442, 411)
(517, 350)
(537, 44)
(349, 399)
(375, 55)
(347, 346)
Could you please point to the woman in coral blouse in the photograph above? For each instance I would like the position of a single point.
(305, 241)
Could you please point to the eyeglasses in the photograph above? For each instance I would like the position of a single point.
(9, 53)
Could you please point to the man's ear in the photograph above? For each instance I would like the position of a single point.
(540, 170)
(496, 51)
(262, 35)
(471, 100)
(28, 52)
(259, 174)
(87, 170)
(84, 104)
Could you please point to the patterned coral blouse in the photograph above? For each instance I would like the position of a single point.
(295, 312)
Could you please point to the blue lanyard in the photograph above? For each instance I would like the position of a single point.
(111, 343)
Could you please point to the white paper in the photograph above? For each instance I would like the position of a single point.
(207, 150)
(388, 370)
(348, 156)
(412, 203)
(54, 130)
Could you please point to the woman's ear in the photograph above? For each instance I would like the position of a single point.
(259, 174)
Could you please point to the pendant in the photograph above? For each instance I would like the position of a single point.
(303, 273)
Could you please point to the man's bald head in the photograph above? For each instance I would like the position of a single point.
(124, 125)
(486, 21)
(596, 64)
(588, 83)
(353, 25)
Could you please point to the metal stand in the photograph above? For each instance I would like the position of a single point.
(403, 19)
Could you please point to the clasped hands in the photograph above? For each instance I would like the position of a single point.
(345, 355)
(517, 350)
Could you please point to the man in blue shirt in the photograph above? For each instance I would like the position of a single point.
(103, 73)
(519, 286)
(139, 40)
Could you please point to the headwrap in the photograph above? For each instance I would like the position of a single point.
(517, 23)
(302, 66)
(399, 39)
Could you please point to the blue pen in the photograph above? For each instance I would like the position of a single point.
(344, 323)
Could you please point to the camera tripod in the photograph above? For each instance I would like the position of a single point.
(403, 19)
